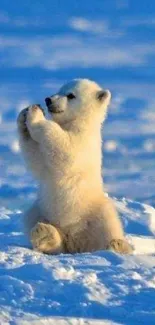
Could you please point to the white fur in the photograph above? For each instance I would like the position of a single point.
(65, 155)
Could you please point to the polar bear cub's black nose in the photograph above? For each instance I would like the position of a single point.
(48, 101)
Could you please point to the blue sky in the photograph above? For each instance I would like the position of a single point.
(44, 43)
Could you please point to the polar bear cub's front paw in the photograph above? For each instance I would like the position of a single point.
(46, 238)
(27, 116)
(35, 114)
(21, 121)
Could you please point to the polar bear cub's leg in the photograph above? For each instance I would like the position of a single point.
(113, 229)
(120, 246)
(101, 230)
(46, 238)
(43, 236)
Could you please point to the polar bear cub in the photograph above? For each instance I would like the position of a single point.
(72, 213)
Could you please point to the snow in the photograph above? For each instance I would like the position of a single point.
(56, 43)
(41, 289)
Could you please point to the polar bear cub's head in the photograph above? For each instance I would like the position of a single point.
(80, 98)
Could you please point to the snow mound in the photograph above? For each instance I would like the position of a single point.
(98, 288)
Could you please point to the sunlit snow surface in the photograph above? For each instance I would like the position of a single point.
(43, 45)
(102, 285)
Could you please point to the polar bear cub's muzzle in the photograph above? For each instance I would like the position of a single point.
(53, 104)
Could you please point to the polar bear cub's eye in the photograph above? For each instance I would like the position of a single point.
(71, 96)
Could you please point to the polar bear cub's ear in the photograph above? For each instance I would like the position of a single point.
(102, 95)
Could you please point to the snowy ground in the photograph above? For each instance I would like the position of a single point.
(113, 43)
(39, 289)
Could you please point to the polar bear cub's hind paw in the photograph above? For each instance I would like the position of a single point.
(120, 246)
(46, 238)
